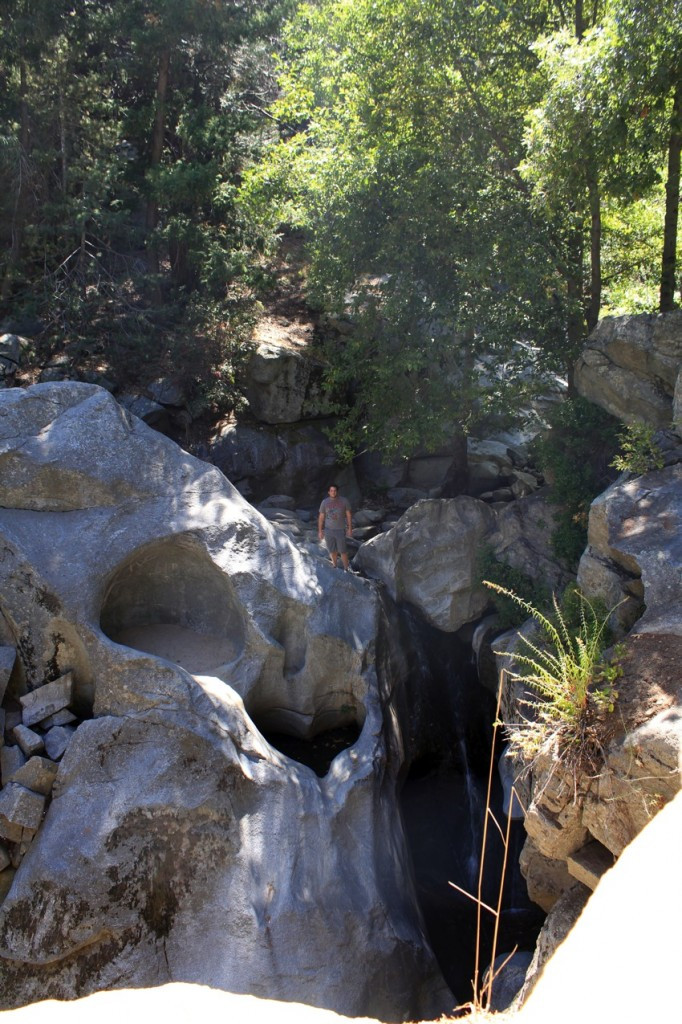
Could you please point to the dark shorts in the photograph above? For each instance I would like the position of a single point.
(335, 541)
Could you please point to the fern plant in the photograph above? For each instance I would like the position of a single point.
(571, 682)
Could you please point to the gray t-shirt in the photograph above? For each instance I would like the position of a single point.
(335, 513)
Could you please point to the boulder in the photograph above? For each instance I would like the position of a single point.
(57, 740)
(11, 759)
(47, 699)
(167, 391)
(37, 774)
(509, 975)
(559, 921)
(21, 811)
(521, 538)
(428, 559)
(153, 413)
(29, 741)
(282, 382)
(188, 845)
(374, 474)
(630, 365)
(246, 453)
(296, 460)
(10, 356)
(635, 531)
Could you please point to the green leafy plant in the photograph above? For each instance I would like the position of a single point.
(639, 452)
(574, 455)
(570, 683)
(491, 568)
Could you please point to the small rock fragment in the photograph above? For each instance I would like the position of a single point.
(29, 741)
(57, 740)
(38, 775)
(63, 717)
(20, 809)
(11, 758)
(47, 699)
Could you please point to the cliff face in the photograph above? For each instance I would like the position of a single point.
(577, 826)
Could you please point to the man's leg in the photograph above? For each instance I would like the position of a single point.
(332, 548)
(344, 559)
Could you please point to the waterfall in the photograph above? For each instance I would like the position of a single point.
(443, 805)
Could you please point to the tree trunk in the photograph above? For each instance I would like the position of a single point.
(158, 134)
(575, 327)
(594, 305)
(456, 479)
(672, 205)
(20, 205)
(579, 22)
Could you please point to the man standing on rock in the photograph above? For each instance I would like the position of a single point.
(335, 523)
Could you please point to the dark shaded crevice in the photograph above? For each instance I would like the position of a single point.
(319, 751)
(442, 800)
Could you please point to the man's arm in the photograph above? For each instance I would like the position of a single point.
(320, 524)
(349, 521)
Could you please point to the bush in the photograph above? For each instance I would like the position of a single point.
(491, 569)
(639, 453)
(575, 456)
(572, 681)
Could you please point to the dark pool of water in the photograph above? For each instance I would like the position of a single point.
(443, 813)
(319, 752)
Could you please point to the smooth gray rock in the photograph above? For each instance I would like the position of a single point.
(278, 501)
(429, 559)
(630, 366)
(11, 758)
(283, 384)
(189, 847)
(10, 358)
(63, 717)
(29, 741)
(635, 531)
(297, 460)
(21, 810)
(57, 740)
(167, 391)
(151, 412)
(47, 699)
(521, 538)
(509, 975)
(37, 774)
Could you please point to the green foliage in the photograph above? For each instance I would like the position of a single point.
(570, 678)
(639, 452)
(508, 579)
(401, 137)
(118, 181)
(575, 455)
(631, 253)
